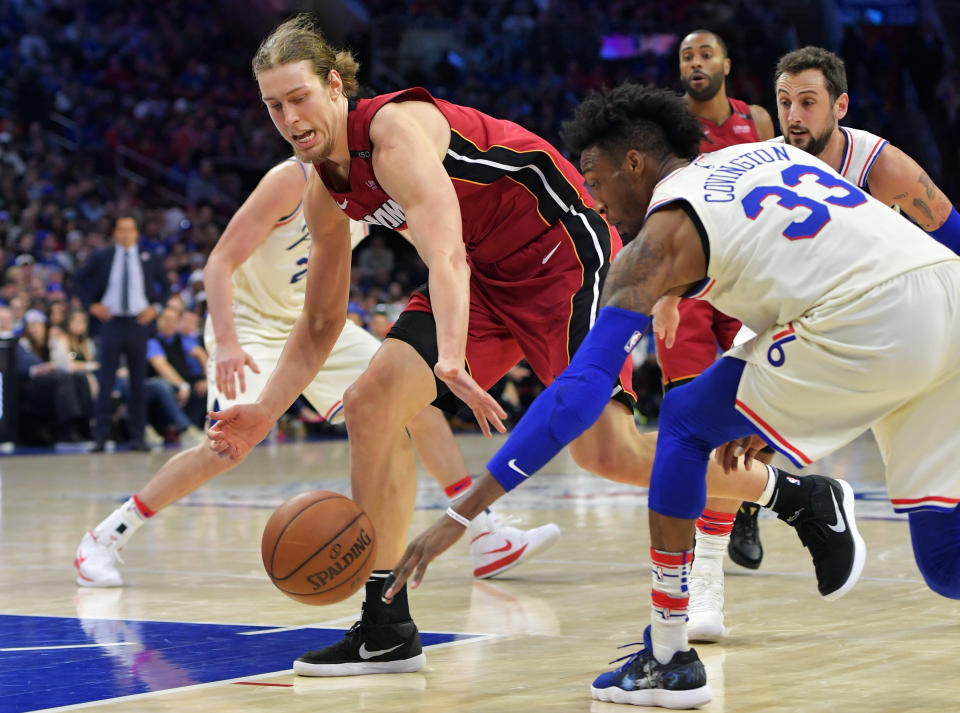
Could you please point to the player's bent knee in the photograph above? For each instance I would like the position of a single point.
(358, 398)
(675, 412)
(946, 584)
(941, 572)
(936, 547)
(601, 461)
(682, 493)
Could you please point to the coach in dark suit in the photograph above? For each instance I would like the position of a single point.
(123, 288)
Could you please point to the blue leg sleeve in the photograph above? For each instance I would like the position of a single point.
(936, 547)
(695, 418)
(574, 401)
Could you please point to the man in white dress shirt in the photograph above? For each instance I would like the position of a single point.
(122, 287)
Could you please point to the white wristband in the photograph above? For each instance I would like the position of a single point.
(454, 515)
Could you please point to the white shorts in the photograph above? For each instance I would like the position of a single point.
(349, 358)
(890, 361)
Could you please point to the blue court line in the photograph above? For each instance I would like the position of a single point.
(49, 662)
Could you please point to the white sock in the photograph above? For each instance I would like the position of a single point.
(119, 525)
(711, 546)
(668, 637)
(670, 597)
(767, 495)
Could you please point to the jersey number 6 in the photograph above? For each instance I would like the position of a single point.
(786, 198)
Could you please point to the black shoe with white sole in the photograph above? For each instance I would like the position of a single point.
(827, 527)
(367, 647)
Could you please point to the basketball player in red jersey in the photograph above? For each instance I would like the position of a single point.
(516, 257)
(704, 66)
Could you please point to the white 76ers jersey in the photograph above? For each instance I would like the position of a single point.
(787, 234)
(272, 281)
(860, 152)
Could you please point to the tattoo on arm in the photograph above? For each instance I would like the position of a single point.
(921, 206)
(928, 186)
(629, 285)
(899, 197)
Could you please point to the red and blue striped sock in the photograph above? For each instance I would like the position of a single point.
(671, 574)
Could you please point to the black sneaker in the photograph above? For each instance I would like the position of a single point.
(827, 527)
(644, 681)
(745, 548)
(367, 648)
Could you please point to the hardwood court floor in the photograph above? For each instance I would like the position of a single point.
(545, 631)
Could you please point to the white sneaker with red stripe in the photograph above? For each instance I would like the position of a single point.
(96, 564)
(495, 546)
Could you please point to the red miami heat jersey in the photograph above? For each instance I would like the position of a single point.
(511, 184)
(738, 129)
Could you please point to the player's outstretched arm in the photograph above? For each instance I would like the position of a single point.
(647, 268)
(436, 539)
(665, 258)
(896, 179)
(277, 195)
(409, 145)
(314, 333)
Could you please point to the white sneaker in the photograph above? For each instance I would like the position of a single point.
(97, 564)
(151, 437)
(705, 610)
(191, 436)
(497, 546)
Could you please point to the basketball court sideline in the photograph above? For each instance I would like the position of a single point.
(200, 627)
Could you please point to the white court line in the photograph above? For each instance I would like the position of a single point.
(166, 691)
(317, 625)
(70, 646)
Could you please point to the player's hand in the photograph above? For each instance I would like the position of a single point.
(728, 455)
(485, 408)
(424, 548)
(238, 429)
(666, 319)
(230, 362)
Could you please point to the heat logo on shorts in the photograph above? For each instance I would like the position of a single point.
(775, 354)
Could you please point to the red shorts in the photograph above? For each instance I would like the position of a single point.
(538, 304)
(703, 331)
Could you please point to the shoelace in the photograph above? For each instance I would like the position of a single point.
(748, 525)
(629, 658)
(504, 522)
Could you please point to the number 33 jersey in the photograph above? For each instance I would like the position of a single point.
(804, 237)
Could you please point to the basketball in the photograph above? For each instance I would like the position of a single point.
(318, 547)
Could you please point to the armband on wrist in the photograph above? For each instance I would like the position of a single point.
(948, 234)
(454, 515)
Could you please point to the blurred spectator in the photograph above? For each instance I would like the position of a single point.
(177, 386)
(380, 324)
(375, 259)
(75, 350)
(55, 405)
(120, 286)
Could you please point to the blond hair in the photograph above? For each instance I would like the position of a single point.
(300, 38)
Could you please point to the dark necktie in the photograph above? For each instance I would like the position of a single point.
(125, 285)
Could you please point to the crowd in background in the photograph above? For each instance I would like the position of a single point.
(120, 105)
